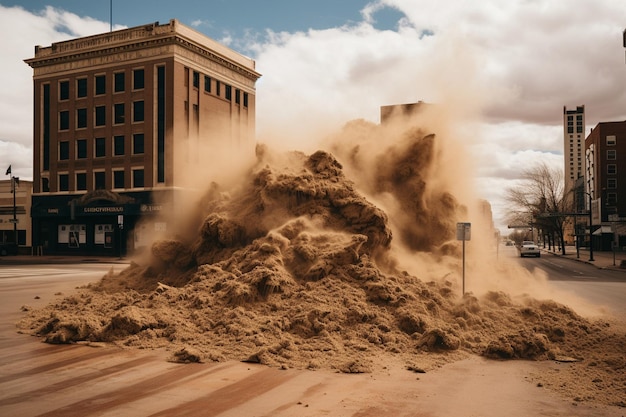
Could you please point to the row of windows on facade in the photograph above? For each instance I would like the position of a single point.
(119, 84)
(100, 148)
(99, 180)
(100, 115)
(611, 169)
(611, 154)
(228, 90)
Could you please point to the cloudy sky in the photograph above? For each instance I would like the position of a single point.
(512, 65)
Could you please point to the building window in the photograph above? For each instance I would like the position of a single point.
(99, 180)
(119, 113)
(45, 185)
(64, 150)
(64, 182)
(138, 111)
(138, 79)
(138, 144)
(245, 99)
(101, 85)
(138, 178)
(81, 118)
(101, 115)
(218, 88)
(237, 94)
(118, 179)
(229, 92)
(64, 120)
(118, 145)
(611, 183)
(81, 181)
(207, 84)
(611, 140)
(611, 154)
(81, 87)
(119, 82)
(64, 90)
(611, 169)
(81, 148)
(100, 147)
(611, 199)
(196, 79)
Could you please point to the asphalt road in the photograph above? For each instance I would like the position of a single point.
(38, 379)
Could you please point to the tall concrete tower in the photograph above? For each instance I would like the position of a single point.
(573, 145)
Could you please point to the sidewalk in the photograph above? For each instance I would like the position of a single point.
(601, 259)
(63, 260)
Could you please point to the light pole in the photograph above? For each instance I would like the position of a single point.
(590, 228)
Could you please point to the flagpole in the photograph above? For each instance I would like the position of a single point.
(14, 211)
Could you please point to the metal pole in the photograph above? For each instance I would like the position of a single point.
(14, 211)
(463, 262)
(590, 230)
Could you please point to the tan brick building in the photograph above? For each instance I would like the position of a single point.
(116, 118)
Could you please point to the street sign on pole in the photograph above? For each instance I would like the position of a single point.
(463, 232)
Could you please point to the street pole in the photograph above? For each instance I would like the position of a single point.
(590, 230)
(14, 210)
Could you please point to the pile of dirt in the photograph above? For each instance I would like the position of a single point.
(296, 269)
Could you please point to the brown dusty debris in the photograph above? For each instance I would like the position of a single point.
(296, 269)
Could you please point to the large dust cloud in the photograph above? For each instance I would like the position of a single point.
(342, 259)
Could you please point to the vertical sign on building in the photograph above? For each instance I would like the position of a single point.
(463, 233)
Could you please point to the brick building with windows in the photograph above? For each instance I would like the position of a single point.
(116, 115)
(605, 153)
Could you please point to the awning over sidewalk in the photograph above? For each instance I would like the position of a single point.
(602, 230)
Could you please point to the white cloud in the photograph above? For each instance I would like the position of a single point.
(509, 66)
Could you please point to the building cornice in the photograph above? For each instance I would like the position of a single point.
(144, 42)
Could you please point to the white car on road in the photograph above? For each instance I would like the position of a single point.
(528, 248)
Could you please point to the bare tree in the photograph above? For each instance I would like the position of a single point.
(541, 195)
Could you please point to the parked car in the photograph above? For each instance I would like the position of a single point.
(528, 248)
(8, 248)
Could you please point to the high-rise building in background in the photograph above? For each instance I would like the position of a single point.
(116, 118)
(573, 145)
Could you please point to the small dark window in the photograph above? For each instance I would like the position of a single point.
(138, 178)
(101, 84)
(120, 82)
(81, 181)
(64, 150)
(45, 185)
(611, 169)
(101, 115)
(245, 99)
(207, 84)
(138, 111)
(138, 79)
(118, 179)
(99, 180)
(100, 147)
(81, 149)
(196, 79)
(138, 143)
(237, 96)
(81, 118)
(64, 90)
(81, 87)
(64, 182)
(611, 154)
(119, 113)
(218, 88)
(118, 145)
(64, 120)
(229, 92)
